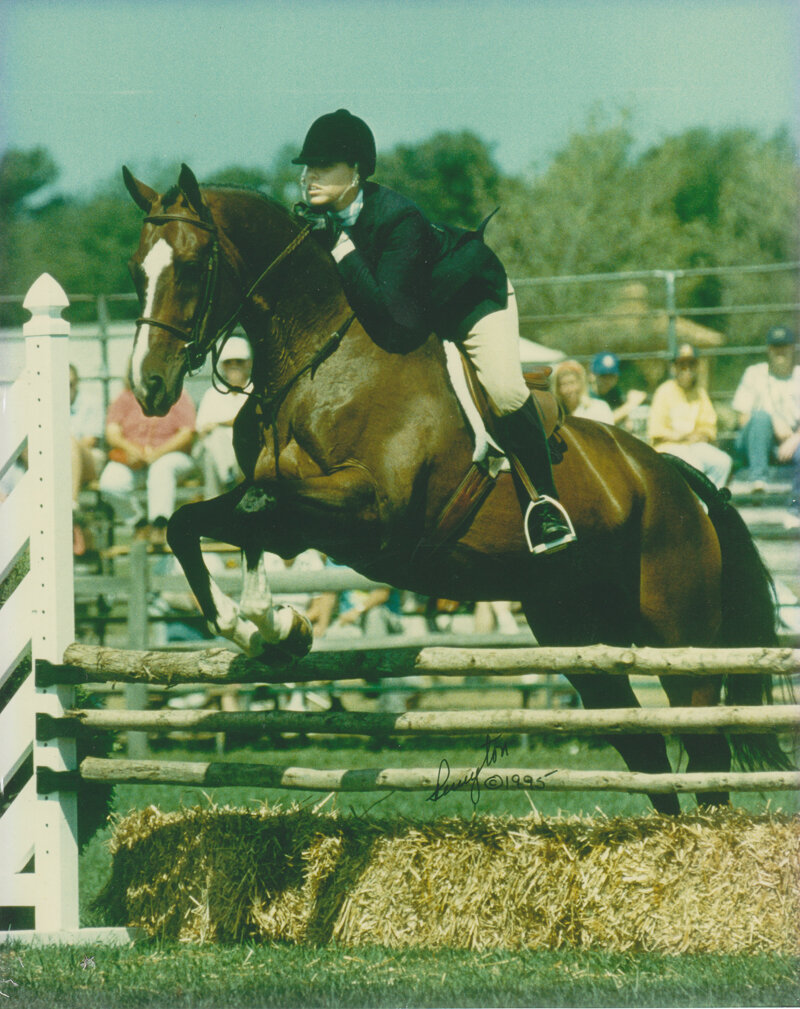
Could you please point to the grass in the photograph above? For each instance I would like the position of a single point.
(283, 976)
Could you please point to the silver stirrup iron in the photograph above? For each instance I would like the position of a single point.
(554, 545)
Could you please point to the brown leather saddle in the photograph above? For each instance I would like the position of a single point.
(479, 480)
(537, 381)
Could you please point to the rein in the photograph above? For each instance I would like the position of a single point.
(271, 406)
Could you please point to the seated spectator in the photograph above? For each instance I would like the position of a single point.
(682, 420)
(149, 452)
(86, 426)
(495, 615)
(767, 404)
(572, 392)
(217, 412)
(605, 374)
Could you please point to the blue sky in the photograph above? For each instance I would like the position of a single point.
(216, 82)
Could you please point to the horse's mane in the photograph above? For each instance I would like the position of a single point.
(172, 194)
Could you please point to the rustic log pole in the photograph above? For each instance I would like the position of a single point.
(609, 659)
(87, 663)
(776, 718)
(438, 780)
(90, 663)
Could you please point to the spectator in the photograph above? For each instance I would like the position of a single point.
(767, 404)
(495, 615)
(217, 412)
(149, 452)
(85, 429)
(572, 392)
(682, 420)
(605, 373)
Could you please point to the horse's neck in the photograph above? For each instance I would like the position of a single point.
(294, 310)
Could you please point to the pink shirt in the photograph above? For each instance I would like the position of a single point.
(150, 431)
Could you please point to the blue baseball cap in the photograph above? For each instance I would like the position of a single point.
(605, 364)
(779, 336)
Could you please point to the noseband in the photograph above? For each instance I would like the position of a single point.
(197, 349)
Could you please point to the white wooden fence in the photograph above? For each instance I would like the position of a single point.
(38, 834)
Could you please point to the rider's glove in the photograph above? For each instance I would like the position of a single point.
(326, 227)
(344, 246)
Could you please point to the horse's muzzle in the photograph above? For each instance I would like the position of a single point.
(153, 396)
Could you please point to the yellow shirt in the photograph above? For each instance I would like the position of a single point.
(677, 414)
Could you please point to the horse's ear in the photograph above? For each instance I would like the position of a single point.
(189, 186)
(143, 196)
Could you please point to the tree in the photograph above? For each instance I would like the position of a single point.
(451, 176)
(22, 174)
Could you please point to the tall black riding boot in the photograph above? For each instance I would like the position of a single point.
(547, 525)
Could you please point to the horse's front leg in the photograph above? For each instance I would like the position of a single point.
(219, 519)
(280, 625)
(184, 530)
(283, 517)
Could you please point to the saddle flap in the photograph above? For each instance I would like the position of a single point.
(537, 382)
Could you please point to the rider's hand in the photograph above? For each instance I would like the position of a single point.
(318, 221)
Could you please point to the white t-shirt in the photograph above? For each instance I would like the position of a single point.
(219, 407)
(779, 397)
(594, 409)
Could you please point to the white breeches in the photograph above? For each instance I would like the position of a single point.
(118, 481)
(493, 348)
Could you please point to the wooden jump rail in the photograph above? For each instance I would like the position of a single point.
(665, 721)
(91, 663)
(438, 781)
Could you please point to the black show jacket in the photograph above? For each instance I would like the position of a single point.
(408, 278)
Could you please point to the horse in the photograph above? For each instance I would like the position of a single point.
(355, 450)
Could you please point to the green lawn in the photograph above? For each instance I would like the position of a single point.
(283, 976)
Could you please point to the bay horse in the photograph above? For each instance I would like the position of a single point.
(354, 450)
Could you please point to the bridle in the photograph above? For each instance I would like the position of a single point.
(195, 347)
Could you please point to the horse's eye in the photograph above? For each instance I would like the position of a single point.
(187, 272)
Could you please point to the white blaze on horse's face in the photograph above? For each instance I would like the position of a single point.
(157, 260)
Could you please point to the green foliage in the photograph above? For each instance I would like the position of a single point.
(22, 174)
(703, 198)
(452, 177)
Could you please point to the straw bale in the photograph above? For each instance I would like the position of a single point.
(721, 881)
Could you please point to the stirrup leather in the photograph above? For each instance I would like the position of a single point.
(553, 545)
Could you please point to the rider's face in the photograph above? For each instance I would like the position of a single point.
(331, 186)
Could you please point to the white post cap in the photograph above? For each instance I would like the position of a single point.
(46, 301)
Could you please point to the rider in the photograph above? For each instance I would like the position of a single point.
(405, 278)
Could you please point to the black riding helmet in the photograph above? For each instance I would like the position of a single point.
(339, 136)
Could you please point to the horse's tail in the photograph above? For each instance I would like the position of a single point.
(749, 612)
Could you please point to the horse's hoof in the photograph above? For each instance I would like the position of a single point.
(300, 638)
